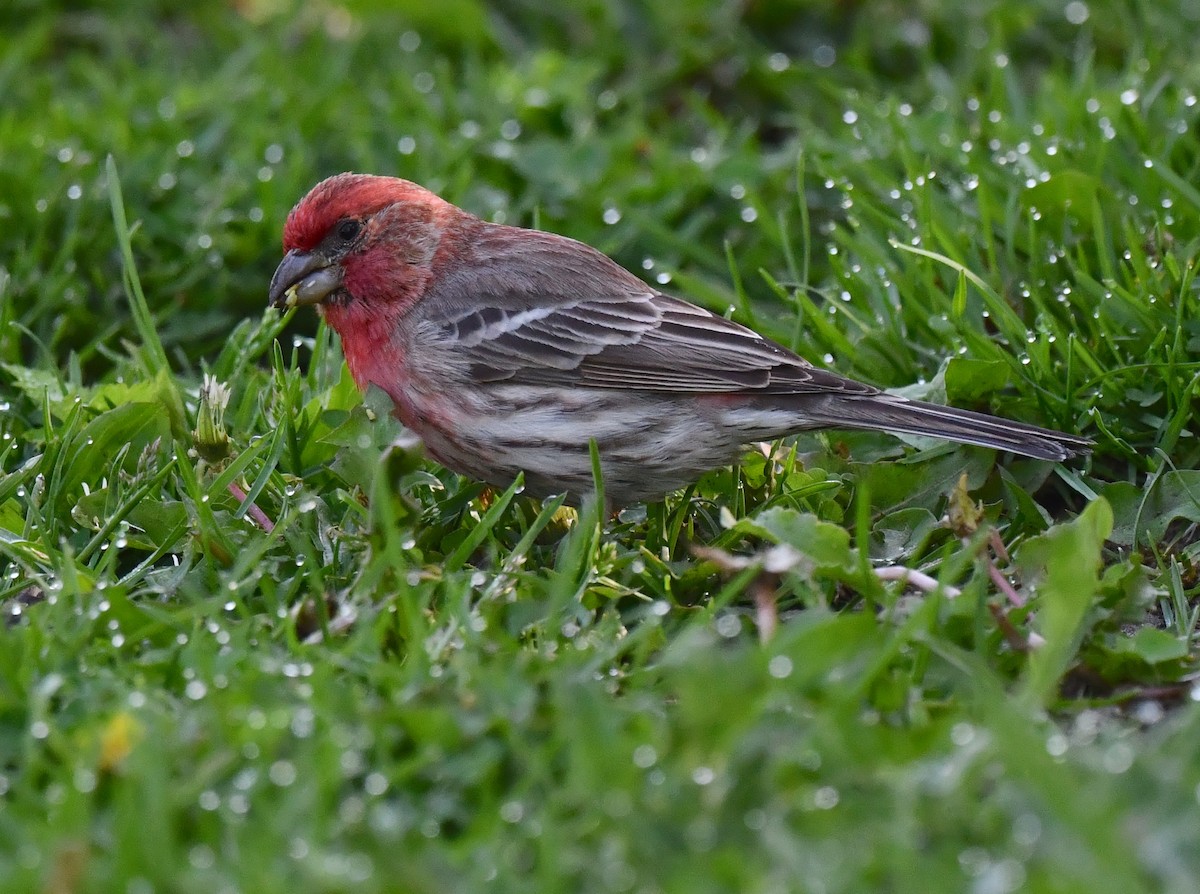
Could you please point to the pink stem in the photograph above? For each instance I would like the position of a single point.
(257, 515)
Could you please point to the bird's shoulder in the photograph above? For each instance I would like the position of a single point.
(515, 269)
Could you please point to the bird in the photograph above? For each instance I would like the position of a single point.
(510, 351)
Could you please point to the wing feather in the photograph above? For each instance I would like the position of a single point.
(557, 312)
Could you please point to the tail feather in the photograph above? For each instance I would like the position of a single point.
(896, 414)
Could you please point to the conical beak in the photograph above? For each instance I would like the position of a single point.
(304, 277)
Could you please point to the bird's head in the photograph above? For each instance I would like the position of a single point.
(358, 239)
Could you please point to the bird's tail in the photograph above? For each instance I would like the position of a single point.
(885, 412)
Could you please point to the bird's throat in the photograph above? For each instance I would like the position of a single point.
(369, 343)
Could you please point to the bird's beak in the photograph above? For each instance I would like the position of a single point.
(304, 277)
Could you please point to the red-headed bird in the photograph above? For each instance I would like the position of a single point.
(507, 350)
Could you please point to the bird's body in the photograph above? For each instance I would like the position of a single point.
(509, 350)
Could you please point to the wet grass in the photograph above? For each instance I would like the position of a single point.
(295, 658)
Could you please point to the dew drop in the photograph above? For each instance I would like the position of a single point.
(780, 667)
(644, 756)
(826, 798)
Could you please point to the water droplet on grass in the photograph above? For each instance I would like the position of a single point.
(282, 773)
(512, 812)
(780, 667)
(826, 798)
(644, 756)
(1076, 12)
(728, 625)
(537, 97)
(1056, 744)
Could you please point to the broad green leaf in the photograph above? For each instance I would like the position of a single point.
(1064, 564)
(1143, 512)
(825, 544)
(971, 381)
(1155, 646)
(152, 519)
(135, 424)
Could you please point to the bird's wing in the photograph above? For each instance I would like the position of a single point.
(547, 310)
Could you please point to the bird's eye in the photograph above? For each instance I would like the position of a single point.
(348, 229)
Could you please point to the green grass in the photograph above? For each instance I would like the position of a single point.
(305, 660)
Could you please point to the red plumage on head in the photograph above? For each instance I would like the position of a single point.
(341, 196)
(387, 270)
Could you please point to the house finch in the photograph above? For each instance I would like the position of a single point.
(507, 350)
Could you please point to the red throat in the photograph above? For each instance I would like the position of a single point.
(369, 343)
